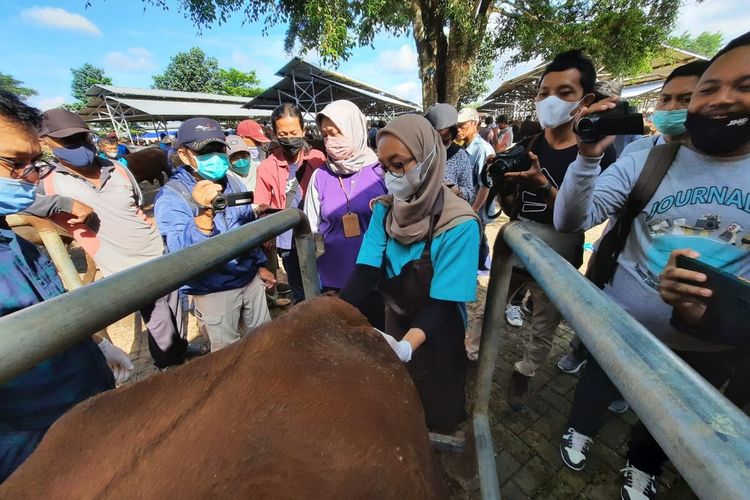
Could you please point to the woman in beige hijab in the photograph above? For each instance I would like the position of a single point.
(421, 249)
(337, 202)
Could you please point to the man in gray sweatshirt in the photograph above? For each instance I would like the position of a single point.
(702, 204)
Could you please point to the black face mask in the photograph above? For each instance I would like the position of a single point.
(291, 145)
(718, 136)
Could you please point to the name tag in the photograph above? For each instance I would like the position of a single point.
(351, 225)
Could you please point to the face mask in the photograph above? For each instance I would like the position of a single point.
(241, 166)
(670, 122)
(291, 145)
(339, 148)
(212, 166)
(403, 188)
(718, 136)
(553, 111)
(111, 155)
(254, 154)
(81, 156)
(15, 195)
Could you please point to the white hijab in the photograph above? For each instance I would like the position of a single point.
(352, 124)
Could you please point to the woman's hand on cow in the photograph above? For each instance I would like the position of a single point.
(402, 348)
(680, 288)
(267, 277)
(118, 361)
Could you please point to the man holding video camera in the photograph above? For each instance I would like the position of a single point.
(229, 300)
(528, 177)
(699, 208)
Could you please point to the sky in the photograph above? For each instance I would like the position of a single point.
(133, 41)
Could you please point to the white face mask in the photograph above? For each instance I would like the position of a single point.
(553, 111)
(403, 188)
(111, 155)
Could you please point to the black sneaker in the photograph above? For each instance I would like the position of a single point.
(518, 391)
(636, 484)
(573, 448)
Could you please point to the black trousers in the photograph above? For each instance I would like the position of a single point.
(595, 392)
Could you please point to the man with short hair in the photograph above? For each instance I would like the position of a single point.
(566, 86)
(699, 208)
(108, 149)
(503, 134)
(121, 235)
(31, 402)
(488, 131)
(229, 300)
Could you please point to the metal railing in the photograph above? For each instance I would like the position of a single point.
(706, 437)
(26, 336)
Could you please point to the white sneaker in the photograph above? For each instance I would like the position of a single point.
(514, 315)
(636, 484)
(573, 448)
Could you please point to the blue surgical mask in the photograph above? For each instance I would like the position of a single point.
(241, 166)
(16, 195)
(670, 122)
(212, 166)
(80, 156)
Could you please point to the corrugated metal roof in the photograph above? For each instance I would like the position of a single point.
(98, 90)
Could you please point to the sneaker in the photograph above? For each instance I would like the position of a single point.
(573, 448)
(571, 363)
(514, 315)
(518, 391)
(618, 406)
(636, 484)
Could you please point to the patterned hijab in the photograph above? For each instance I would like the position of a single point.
(409, 221)
(352, 124)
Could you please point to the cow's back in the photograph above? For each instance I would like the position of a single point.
(312, 405)
(148, 164)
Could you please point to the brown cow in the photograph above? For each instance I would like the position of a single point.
(149, 164)
(312, 405)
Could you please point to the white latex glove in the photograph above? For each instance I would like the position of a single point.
(118, 361)
(401, 348)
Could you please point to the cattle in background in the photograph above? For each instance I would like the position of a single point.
(312, 405)
(149, 164)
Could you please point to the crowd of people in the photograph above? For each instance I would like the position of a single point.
(399, 211)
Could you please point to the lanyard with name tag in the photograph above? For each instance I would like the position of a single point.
(349, 220)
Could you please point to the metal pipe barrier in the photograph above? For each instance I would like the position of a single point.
(706, 437)
(38, 332)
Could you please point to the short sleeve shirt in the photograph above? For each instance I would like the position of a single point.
(454, 256)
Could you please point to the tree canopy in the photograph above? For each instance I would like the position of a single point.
(10, 84)
(706, 44)
(623, 34)
(190, 71)
(84, 77)
(236, 82)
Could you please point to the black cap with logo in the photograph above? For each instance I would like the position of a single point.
(196, 133)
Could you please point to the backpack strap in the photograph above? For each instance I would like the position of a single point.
(660, 158)
(178, 187)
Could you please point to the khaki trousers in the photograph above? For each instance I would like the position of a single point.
(544, 324)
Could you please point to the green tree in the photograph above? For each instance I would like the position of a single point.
(236, 82)
(190, 71)
(10, 84)
(706, 44)
(449, 34)
(83, 78)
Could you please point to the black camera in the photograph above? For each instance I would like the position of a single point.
(516, 159)
(620, 120)
(223, 201)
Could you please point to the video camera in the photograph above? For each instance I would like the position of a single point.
(223, 201)
(620, 120)
(516, 159)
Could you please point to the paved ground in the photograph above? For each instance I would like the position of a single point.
(526, 442)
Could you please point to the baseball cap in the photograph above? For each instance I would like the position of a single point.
(196, 133)
(60, 122)
(251, 129)
(235, 144)
(468, 115)
(441, 116)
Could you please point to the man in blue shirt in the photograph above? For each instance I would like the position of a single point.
(31, 402)
(229, 300)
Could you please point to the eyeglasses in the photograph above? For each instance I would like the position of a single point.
(397, 169)
(23, 169)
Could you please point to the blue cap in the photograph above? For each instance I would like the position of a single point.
(196, 133)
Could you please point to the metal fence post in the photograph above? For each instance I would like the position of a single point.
(492, 328)
(308, 263)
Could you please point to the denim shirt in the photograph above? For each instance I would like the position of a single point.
(31, 402)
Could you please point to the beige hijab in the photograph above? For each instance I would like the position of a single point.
(352, 124)
(409, 221)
